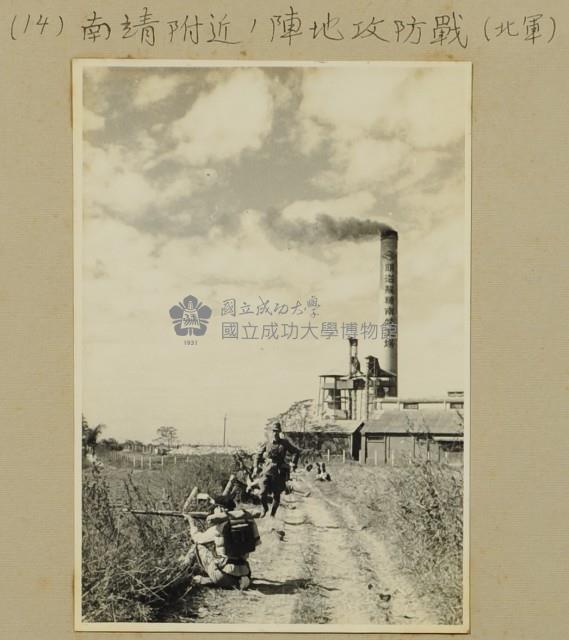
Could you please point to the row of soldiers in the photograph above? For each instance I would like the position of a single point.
(222, 549)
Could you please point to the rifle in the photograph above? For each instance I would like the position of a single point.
(186, 511)
(194, 496)
(171, 514)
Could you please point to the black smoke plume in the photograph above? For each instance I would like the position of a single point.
(323, 229)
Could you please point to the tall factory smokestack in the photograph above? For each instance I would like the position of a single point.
(388, 304)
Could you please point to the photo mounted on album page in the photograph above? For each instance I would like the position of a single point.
(272, 336)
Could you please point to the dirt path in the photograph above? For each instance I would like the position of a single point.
(317, 564)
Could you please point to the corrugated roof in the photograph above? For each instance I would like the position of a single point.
(433, 421)
(423, 399)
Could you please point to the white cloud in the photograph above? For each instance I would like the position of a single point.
(350, 100)
(438, 256)
(117, 180)
(94, 77)
(113, 179)
(359, 204)
(369, 161)
(385, 126)
(155, 88)
(432, 109)
(420, 164)
(283, 90)
(311, 135)
(139, 282)
(425, 107)
(184, 183)
(444, 200)
(94, 88)
(120, 247)
(92, 121)
(432, 348)
(230, 259)
(235, 116)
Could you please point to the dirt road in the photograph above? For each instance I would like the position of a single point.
(318, 565)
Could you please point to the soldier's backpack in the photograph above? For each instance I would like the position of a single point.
(240, 534)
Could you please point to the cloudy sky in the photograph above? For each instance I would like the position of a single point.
(248, 183)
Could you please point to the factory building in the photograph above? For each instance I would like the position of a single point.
(359, 412)
(419, 428)
(397, 429)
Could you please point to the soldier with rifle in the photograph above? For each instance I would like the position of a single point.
(222, 536)
(222, 549)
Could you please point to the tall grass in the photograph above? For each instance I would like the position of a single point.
(416, 509)
(130, 563)
(422, 505)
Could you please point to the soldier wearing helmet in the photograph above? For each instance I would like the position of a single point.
(273, 469)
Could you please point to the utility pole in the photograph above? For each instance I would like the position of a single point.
(304, 411)
(224, 428)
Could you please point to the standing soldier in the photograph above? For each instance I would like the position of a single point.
(274, 470)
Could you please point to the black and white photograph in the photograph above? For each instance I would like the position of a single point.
(272, 346)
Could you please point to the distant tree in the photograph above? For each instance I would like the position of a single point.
(90, 435)
(84, 433)
(111, 443)
(166, 437)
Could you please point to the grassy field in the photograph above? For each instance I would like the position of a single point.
(417, 511)
(130, 563)
(131, 569)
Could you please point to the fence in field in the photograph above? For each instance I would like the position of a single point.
(150, 461)
(375, 459)
(326, 455)
(144, 460)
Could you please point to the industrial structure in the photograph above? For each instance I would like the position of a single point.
(427, 428)
(353, 396)
(359, 414)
